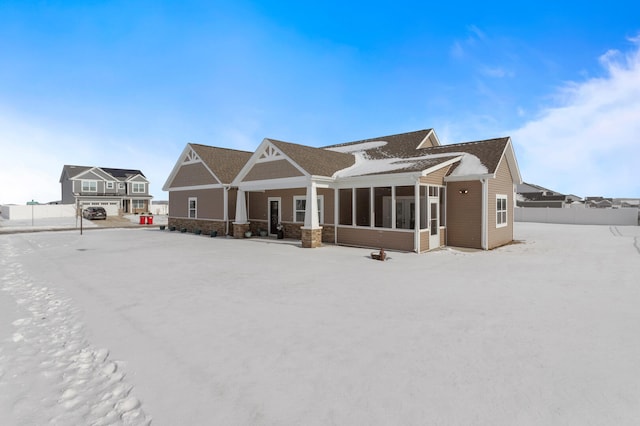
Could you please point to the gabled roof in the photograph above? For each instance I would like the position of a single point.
(315, 161)
(403, 145)
(224, 163)
(488, 151)
(118, 174)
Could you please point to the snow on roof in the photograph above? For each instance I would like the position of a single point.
(364, 165)
(358, 147)
(470, 165)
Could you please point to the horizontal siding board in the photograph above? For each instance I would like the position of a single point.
(503, 185)
(272, 170)
(376, 238)
(192, 175)
(464, 214)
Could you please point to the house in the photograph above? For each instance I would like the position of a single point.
(117, 190)
(530, 195)
(199, 186)
(402, 192)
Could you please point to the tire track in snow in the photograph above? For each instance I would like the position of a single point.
(49, 373)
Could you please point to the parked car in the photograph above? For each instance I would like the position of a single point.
(94, 213)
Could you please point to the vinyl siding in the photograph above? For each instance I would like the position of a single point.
(272, 170)
(503, 185)
(210, 203)
(376, 238)
(424, 241)
(258, 208)
(464, 214)
(193, 175)
(435, 178)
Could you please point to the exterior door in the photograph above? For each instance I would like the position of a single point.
(274, 215)
(434, 223)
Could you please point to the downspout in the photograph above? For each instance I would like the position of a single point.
(485, 202)
(336, 213)
(416, 222)
(226, 208)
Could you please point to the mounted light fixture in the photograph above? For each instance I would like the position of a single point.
(464, 191)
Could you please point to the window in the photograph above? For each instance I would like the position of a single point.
(346, 206)
(89, 186)
(121, 185)
(137, 204)
(300, 205)
(109, 185)
(501, 211)
(363, 206)
(137, 187)
(193, 207)
(382, 206)
(405, 207)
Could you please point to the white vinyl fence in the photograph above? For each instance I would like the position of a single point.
(38, 211)
(624, 216)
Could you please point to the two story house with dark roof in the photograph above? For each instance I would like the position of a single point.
(117, 190)
(403, 192)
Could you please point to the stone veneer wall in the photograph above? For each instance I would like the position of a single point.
(206, 226)
(311, 238)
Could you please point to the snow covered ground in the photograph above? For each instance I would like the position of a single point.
(139, 326)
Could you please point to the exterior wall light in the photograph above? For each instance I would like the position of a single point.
(464, 191)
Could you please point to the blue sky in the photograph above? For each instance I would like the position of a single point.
(128, 84)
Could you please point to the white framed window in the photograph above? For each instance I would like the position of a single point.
(137, 204)
(121, 185)
(300, 205)
(137, 187)
(89, 186)
(193, 207)
(501, 210)
(110, 185)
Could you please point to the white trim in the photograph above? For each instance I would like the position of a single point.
(253, 160)
(269, 200)
(82, 182)
(144, 187)
(485, 213)
(505, 211)
(430, 136)
(186, 152)
(416, 213)
(281, 183)
(195, 208)
(197, 187)
(304, 198)
(464, 178)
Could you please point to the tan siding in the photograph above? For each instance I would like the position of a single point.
(376, 238)
(435, 178)
(464, 214)
(272, 170)
(503, 185)
(259, 209)
(210, 203)
(424, 240)
(192, 175)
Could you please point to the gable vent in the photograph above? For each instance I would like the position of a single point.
(269, 154)
(191, 157)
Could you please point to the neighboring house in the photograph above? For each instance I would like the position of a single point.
(402, 192)
(117, 190)
(530, 195)
(599, 202)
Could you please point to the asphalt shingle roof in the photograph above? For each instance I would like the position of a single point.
(224, 163)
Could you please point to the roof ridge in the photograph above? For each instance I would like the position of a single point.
(220, 147)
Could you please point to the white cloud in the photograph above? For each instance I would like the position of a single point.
(589, 144)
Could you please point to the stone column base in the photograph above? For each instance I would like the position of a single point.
(240, 228)
(311, 238)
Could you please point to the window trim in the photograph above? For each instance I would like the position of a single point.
(194, 209)
(110, 185)
(499, 211)
(141, 202)
(93, 182)
(136, 184)
(304, 198)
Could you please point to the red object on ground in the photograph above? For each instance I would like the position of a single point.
(149, 220)
(142, 220)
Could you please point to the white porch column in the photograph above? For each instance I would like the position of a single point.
(416, 222)
(241, 208)
(311, 220)
(311, 231)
